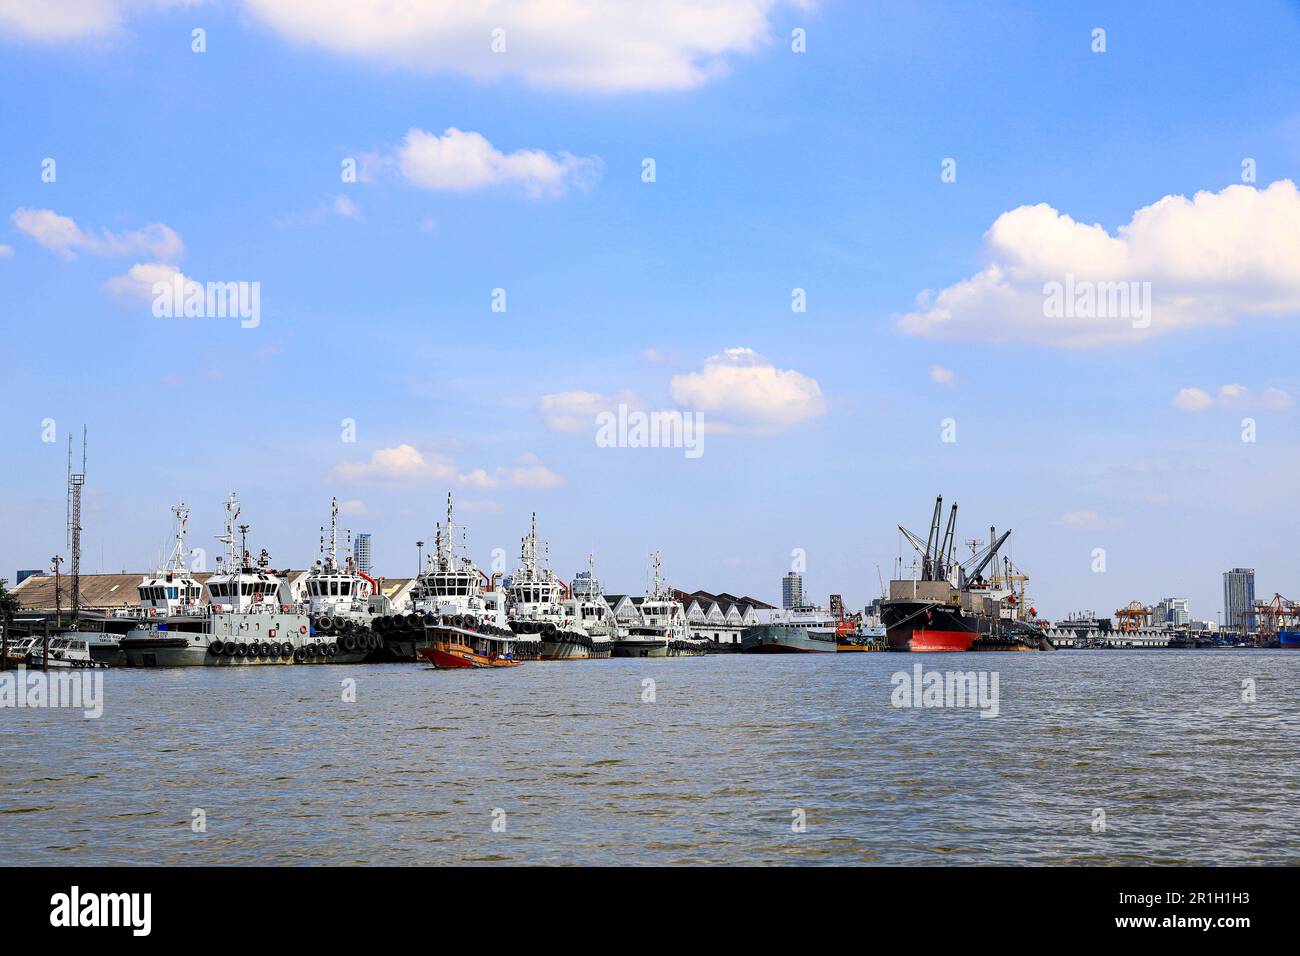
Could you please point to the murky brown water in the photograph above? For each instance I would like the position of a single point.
(712, 772)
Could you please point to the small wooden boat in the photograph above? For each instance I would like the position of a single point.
(450, 654)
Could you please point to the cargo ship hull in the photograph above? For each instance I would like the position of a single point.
(924, 626)
(1288, 640)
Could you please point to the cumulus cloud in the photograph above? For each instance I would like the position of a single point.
(577, 410)
(58, 21)
(527, 472)
(139, 280)
(407, 463)
(605, 45)
(460, 160)
(62, 235)
(1209, 260)
(942, 376)
(404, 462)
(740, 390)
(1192, 399)
(1232, 396)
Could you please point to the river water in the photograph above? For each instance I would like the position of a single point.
(1095, 757)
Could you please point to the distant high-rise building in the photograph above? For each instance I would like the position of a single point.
(361, 552)
(1238, 599)
(1171, 611)
(26, 573)
(792, 590)
(585, 587)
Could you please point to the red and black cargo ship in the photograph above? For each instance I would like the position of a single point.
(951, 607)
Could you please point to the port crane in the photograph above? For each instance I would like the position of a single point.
(1133, 618)
(1275, 615)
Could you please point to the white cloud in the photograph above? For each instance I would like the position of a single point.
(1086, 520)
(942, 376)
(656, 356)
(1192, 399)
(62, 235)
(606, 45)
(1210, 260)
(407, 463)
(527, 472)
(345, 207)
(400, 462)
(740, 390)
(54, 21)
(6, 251)
(459, 160)
(1232, 396)
(575, 411)
(353, 506)
(139, 280)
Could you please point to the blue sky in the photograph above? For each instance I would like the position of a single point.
(774, 171)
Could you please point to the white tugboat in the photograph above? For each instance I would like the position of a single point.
(458, 614)
(245, 622)
(540, 605)
(663, 630)
(340, 601)
(589, 607)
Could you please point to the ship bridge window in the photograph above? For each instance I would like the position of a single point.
(173, 593)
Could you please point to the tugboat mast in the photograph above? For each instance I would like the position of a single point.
(228, 539)
(179, 549)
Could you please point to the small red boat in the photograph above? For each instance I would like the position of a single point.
(448, 654)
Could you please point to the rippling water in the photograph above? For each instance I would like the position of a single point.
(711, 772)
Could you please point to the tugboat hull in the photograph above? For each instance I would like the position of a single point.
(564, 651)
(640, 649)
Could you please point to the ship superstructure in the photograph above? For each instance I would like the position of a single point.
(541, 604)
(340, 599)
(588, 606)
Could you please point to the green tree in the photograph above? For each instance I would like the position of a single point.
(8, 603)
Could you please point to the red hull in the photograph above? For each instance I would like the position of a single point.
(924, 639)
(445, 660)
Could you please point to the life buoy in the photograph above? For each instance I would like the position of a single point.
(302, 629)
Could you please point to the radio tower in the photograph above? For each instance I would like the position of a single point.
(75, 483)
